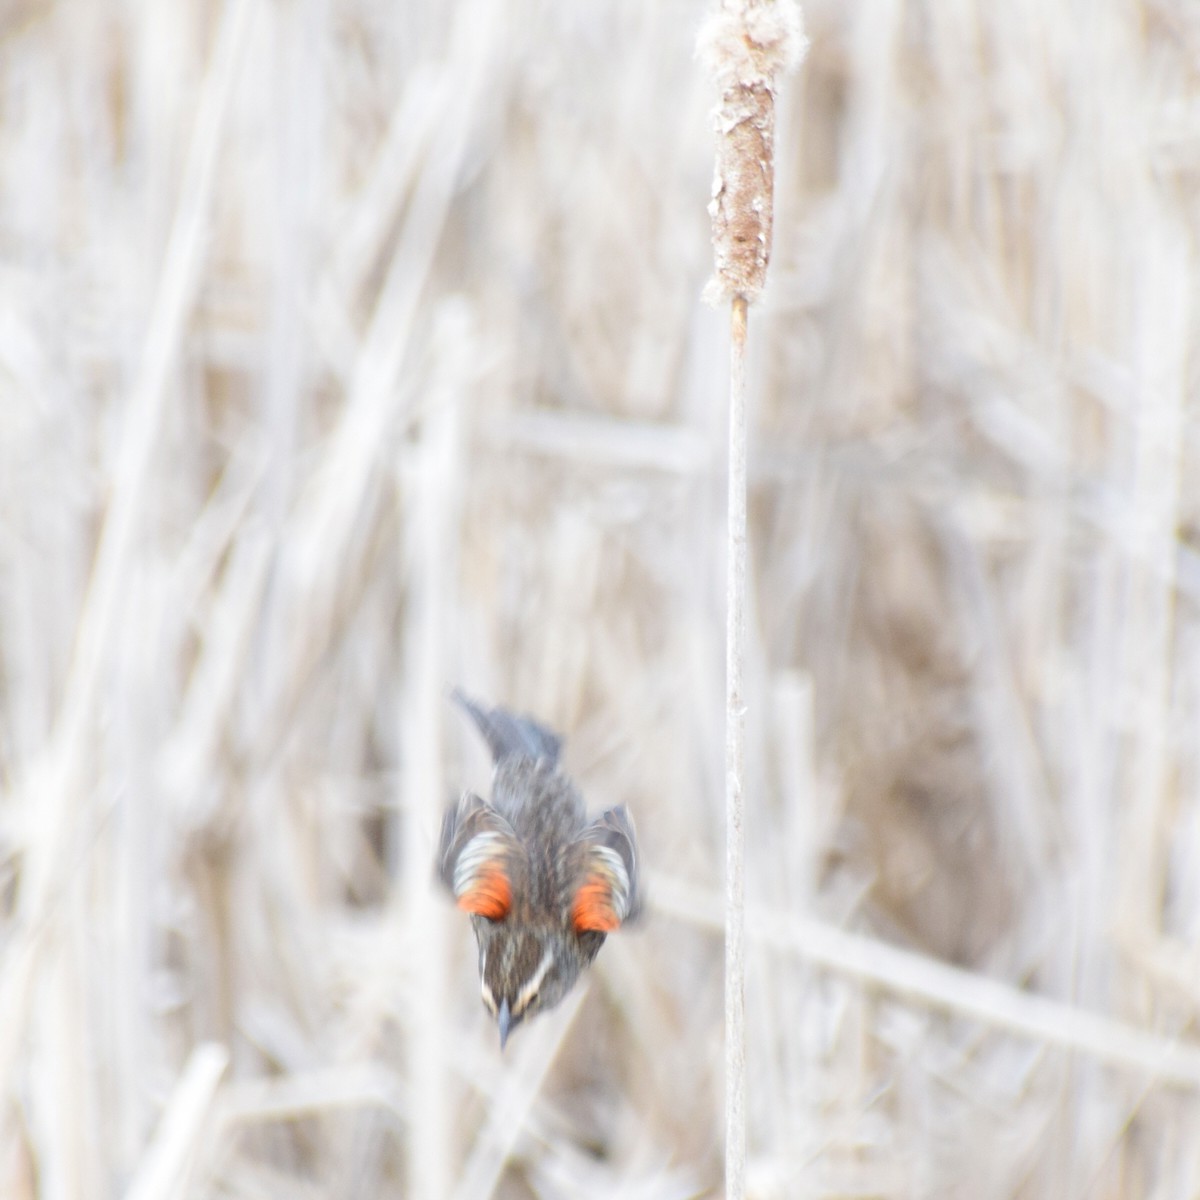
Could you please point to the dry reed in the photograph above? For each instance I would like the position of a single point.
(351, 350)
(746, 44)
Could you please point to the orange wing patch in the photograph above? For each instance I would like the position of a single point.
(482, 877)
(593, 907)
(489, 895)
(603, 901)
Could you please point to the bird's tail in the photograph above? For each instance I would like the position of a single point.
(508, 735)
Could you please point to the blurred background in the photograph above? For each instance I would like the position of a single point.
(351, 350)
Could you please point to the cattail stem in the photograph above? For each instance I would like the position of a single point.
(745, 44)
(735, 759)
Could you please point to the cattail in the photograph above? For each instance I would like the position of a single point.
(745, 45)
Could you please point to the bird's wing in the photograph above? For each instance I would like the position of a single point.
(480, 859)
(607, 894)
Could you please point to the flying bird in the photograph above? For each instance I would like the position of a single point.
(543, 884)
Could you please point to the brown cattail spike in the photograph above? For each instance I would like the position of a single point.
(745, 45)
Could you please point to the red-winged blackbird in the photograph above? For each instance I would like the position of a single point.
(543, 885)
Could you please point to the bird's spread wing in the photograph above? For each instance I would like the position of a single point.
(606, 895)
(480, 859)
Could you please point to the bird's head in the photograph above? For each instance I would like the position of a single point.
(526, 970)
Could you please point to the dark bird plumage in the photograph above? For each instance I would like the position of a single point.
(543, 885)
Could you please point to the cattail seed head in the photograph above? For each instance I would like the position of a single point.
(745, 45)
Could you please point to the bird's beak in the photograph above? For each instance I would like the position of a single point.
(504, 1019)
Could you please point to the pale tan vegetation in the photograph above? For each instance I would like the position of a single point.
(746, 44)
(353, 349)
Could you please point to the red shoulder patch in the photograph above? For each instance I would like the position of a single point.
(489, 894)
(592, 908)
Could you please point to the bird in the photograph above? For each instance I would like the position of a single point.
(544, 885)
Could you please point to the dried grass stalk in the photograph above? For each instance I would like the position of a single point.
(165, 1162)
(735, 765)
